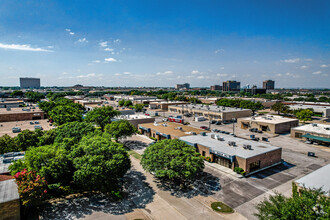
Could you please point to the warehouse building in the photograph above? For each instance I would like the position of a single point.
(212, 112)
(164, 105)
(135, 120)
(232, 152)
(167, 130)
(21, 114)
(272, 124)
(7, 103)
(318, 133)
(324, 111)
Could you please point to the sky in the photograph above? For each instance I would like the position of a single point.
(162, 43)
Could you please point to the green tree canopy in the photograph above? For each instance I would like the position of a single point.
(27, 139)
(62, 114)
(17, 93)
(99, 164)
(102, 116)
(7, 144)
(75, 130)
(305, 115)
(172, 159)
(120, 129)
(128, 103)
(138, 107)
(34, 96)
(279, 107)
(310, 204)
(121, 102)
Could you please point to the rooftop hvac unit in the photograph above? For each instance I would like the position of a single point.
(314, 125)
(213, 136)
(327, 128)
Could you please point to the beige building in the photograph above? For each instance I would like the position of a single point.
(135, 120)
(164, 105)
(272, 124)
(211, 112)
(21, 114)
(232, 152)
(167, 130)
(319, 133)
(10, 207)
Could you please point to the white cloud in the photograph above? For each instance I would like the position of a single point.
(308, 59)
(295, 60)
(201, 77)
(82, 40)
(110, 59)
(317, 72)
(219, 51)
(222, 68)
(195, 72)
(279, 74)
(117, 74)
(90, 75)
(50, 47)
(68, 30)
(323, 66)
(65, 73)
(303, 67)
(292, 75)
(127, 73)
(25, 47)
(117, 41)
(222, 74)
(108, 49)
(71, 33)
(103, 44)
(96, 61)
(168, 72)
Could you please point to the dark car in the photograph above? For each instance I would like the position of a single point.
(204, 127)
(218, 123)
(213, 121)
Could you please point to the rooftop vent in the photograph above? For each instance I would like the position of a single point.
(247, 146)
(314, 125)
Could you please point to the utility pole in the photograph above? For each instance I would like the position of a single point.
(234, 119)
(182, 114)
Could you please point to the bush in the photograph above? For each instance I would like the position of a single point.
(238, 170)
(152, 138)
(32, 188)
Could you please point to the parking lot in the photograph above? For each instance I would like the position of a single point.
(6, 127)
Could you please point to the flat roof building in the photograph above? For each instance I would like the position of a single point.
(163, 105)
(10, 103)
(9, 200)
(216, 88)
(167, 130)
(272, 124)
(232, 152)
(29, 83)
(211, 111)
(182, 86)
(318, 179)
(268, 84)
(323, 110)
(231, 85)
(135, 120)
(319, 133)
(20, 114)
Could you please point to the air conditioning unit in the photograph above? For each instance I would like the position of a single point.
(213, 136)
(314, 125)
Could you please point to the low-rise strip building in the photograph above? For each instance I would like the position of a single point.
(20, 114)
(319, 133)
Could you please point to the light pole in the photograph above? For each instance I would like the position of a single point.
(233, 119)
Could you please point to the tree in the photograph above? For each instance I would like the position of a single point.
(138, 107)
(279, 107)
(102, 116)
(32, 188)
(62, 114)
(27, 139)
(128, 103)
(17, 93)
(34, 96)
(48, 161)
(310, 204)
(172, 159)
(304, 115)
(121, 102)
(120, 129)
(7, 144)
(99, 164)
(75, 130)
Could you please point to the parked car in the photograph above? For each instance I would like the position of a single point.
(31, 123)
(36, 122)
(213, 121)
(218, 123)
(259, 131)
(147, 114)
(203, 127)
(38, 127)
(16, 129)
(165, 119)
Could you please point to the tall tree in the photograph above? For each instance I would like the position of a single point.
(172, 159)
(305, 115)
(62, 114)
(34, 96)
(75, 130)
(102, 116)
(279, 107)
(17, 93)
(120, 129)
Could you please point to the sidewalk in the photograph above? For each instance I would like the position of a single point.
(223, 169)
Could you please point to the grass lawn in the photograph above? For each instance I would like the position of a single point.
(134, 154)
(221, 207)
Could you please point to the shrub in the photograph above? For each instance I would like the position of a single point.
(221, 207)
(31, 187)
(238, 170)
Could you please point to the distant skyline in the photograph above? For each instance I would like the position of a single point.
(162, 43)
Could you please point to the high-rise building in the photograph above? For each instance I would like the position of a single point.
(268, 84)
(29, 83)
(231, 85)
(216, 87)
(182, 86)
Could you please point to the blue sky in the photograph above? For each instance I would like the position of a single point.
(161, 43)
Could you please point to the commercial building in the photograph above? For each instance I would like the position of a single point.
(319, 133)
(211, 112)
(272, 124)
(29, 83)
(167, 130)
(182, 86)
(9, 200)
(20, 114)
(122, 110)
(320, 178)
(231, 86)
(324, 111)
(254, 90)
(232, 152)
(7, 103)
(268, 84)
(164, 105)
(216, 88)
(135, 120)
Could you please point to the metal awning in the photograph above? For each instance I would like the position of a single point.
(318, 138)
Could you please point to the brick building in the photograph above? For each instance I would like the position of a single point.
(318, 133)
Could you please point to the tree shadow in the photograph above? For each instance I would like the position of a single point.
(137, 194)
(134, 145)
(205, 184)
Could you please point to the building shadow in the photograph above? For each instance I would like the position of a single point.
(137, 194)
(205, 184)
(272, 170)
(134, 145)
